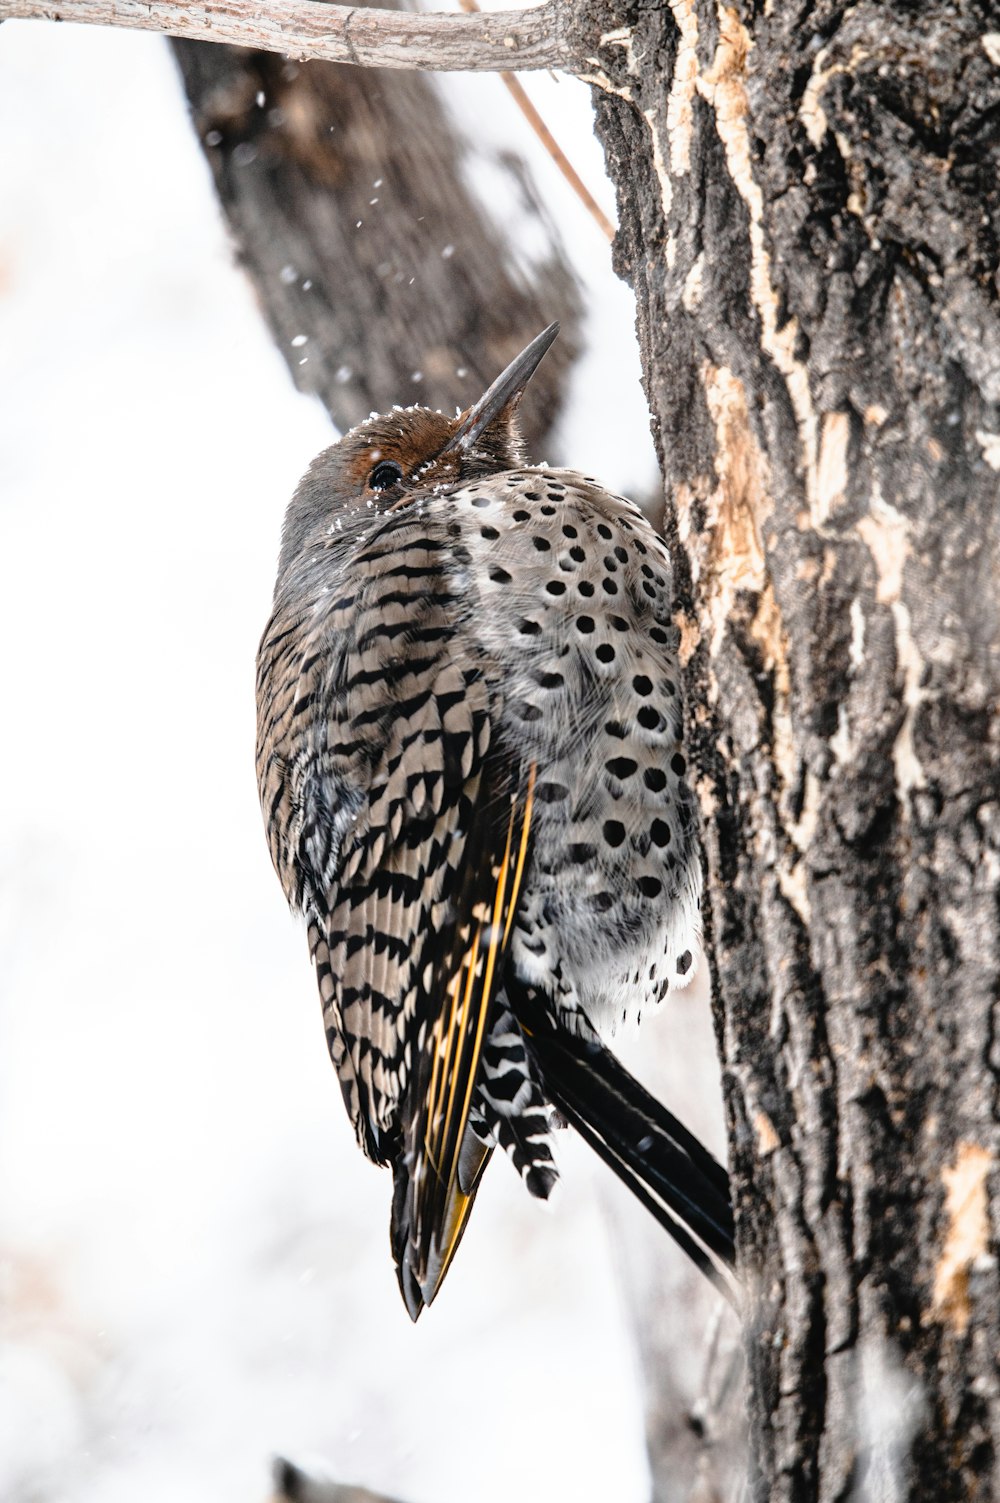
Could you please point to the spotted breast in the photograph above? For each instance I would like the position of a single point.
(470, 766)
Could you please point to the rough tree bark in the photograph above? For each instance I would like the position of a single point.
(379, 273)
(810, 217)
(809, 196)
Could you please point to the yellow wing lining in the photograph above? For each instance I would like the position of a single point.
(458, 1041)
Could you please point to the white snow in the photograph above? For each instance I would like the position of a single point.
(194, 1261)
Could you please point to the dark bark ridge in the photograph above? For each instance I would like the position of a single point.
(810, 218)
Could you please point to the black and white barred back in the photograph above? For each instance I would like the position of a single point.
(471, 773)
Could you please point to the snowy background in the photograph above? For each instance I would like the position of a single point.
(194, 1260)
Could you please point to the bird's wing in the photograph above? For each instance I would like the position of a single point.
(437, 1176)
(415, 824)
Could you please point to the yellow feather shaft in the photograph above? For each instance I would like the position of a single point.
(529, 800)
(438, 1075)
(457, 1034)
(490, 965)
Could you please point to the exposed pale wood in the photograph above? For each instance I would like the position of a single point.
(809, 209)
(484, 42)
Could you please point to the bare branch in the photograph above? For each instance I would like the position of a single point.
(482, 42)
(333, 146)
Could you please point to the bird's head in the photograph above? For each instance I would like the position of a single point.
(388, 460)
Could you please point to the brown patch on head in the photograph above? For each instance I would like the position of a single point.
(411, 438)
(414, 438)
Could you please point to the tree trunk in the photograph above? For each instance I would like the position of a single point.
(810, 218)
(381, 276)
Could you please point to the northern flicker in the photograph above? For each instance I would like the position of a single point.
(471, 775)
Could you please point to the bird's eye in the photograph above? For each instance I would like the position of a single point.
(385, 475)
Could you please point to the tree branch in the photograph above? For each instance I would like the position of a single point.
(381, 276)
(481, 42)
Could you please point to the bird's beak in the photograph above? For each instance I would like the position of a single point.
(506, 389)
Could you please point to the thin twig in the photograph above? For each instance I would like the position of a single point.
(486, 42)
(548, 140)
(557, 154)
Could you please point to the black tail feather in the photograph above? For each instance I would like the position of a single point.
(662, 1163)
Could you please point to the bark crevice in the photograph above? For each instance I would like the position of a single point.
(813, 239)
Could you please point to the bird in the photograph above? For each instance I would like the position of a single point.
(471, 773)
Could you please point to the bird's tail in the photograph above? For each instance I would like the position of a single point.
(666, 1168)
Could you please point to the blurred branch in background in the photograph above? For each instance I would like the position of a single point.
(381, 276)
(293, 1484)
(520, 96)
